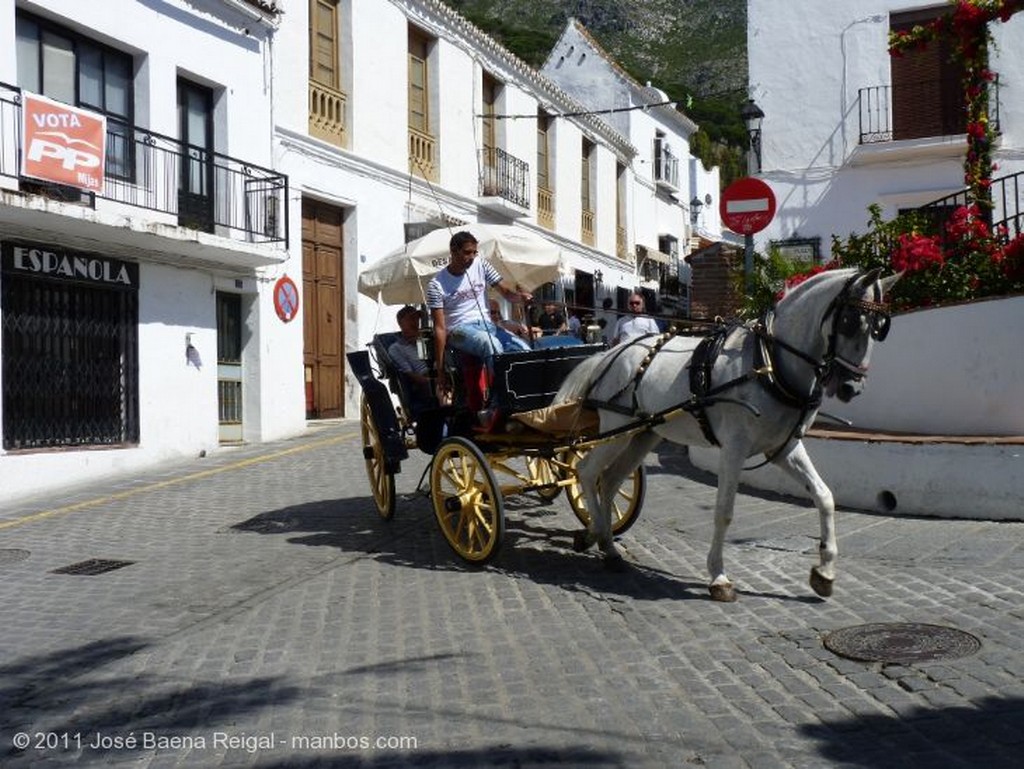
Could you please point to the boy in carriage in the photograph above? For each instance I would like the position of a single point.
(457, 298)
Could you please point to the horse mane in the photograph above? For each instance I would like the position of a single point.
(815, 282)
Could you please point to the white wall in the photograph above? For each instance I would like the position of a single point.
(823, 178)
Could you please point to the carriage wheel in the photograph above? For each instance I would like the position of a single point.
(626, 505)
(382, 482)
(467, 501)
(542, 471)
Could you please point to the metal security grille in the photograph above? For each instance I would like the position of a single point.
(70, 364)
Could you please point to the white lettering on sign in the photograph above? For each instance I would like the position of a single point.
(69, 157)
(78, 267)
(57, 120)
(746, 206)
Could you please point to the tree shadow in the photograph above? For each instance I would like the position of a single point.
(68, 691)
(987, 735)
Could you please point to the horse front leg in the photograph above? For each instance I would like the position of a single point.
(729, 466)
(798, 465)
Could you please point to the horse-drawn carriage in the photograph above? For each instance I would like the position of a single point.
(474, 467)
(749, 388)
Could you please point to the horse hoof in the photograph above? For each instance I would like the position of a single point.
(581, 541)
(821, 585)
(615, 564)
(724, 593)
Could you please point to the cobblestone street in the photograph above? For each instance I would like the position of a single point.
(268, 617)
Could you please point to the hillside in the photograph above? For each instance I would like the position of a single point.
(694, 50)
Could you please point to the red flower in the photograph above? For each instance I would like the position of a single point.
(916, 252)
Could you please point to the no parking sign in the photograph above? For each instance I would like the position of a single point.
(286, 298)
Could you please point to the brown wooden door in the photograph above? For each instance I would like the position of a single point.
(322, 316)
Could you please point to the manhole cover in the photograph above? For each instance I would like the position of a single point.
(12, 555)
(901, 642)
(92, 567)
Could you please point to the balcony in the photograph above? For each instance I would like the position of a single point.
(327, 108)
(185, 188)
(422, 155)
(504, 183)
(545, 208)
(924, 109)
(587, 228)
(666, 169)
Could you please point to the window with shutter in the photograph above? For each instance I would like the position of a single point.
(927, 90)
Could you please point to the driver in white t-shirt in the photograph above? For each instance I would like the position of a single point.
(457, 298)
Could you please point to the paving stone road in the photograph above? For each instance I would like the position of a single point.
(269, 618)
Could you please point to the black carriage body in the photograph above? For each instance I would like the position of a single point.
(529, 380)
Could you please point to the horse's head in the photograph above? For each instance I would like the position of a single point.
(856, 318)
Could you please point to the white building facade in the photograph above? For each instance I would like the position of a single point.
(846, 125)
(410, 118)
(671, 202)
(137, 304)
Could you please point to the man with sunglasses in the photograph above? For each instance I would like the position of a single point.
(634, 324)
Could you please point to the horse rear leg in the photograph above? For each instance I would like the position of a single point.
(797, 464)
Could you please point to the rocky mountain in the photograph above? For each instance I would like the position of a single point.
(694, 50)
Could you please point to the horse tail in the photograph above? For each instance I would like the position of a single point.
(577, 385)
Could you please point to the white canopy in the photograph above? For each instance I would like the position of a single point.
(521, 256)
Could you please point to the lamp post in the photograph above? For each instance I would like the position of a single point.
(695, 206)
(752, 116)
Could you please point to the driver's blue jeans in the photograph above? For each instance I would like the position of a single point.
(484, 340)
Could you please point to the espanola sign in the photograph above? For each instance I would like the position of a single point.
(81, 268)
(63, 144)
(747, 206)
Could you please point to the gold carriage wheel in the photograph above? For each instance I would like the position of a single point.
(628, 500)
(382, 482)
(541, 472)
(467, 501)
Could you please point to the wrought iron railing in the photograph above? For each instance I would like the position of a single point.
(1006, 195)
(666, 167)
(205, 190)
(880, 120)
(504, 176)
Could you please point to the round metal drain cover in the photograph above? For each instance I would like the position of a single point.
(904, 642)
(12, 555)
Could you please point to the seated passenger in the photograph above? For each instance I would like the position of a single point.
(457, 298)
(521, 330)
(405, 355)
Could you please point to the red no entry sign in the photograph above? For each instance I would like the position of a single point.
(747, 205)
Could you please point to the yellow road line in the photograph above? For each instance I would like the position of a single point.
(172, 482)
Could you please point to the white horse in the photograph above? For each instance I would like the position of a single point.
(757, 393)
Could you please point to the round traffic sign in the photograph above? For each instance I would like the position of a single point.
(286, 298)
(747, 205)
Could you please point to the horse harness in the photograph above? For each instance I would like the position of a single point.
(846, 315)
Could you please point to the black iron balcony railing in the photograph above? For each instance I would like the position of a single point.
(926, 108)
(504, 176)
(204, 190)
(1006, 195)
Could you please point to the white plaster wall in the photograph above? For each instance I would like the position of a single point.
(823, 179)
(946, 371)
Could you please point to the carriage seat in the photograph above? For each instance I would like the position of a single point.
(411, 398)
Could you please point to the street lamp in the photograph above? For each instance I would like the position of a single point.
(752, 116)
(695, 206)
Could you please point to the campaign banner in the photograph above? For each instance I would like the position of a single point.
(63, 144)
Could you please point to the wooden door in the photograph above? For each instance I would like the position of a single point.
(323, 320)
